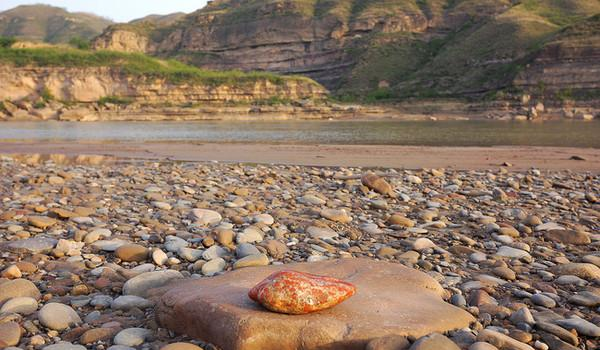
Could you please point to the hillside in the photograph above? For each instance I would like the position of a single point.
(567, 67)
(50, 24)
(375, 48)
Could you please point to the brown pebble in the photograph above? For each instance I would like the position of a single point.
(132, 253)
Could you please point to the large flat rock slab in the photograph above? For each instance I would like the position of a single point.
(390, 299)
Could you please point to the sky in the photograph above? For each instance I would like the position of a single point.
(117, 10)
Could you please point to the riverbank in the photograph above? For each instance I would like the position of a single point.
(276, 109)
(215, 112)
(277, 113)
(389, 156)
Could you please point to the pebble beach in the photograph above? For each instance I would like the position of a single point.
(82, 245)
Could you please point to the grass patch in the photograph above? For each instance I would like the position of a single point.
(379, 95)
(273, 101)
(39, 105)
(561, 12)
(46, 95)
(80, 43)
(135, 64)
(250, 10)
(564, 95)
(115, 100)
(141, 28)
(570, 94)
(193, 58)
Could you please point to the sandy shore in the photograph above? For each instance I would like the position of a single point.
(409, 157)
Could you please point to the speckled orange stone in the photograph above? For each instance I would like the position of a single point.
(298, 293)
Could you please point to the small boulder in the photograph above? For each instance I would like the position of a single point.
(378, 184)
(10, 334)
(35, 245)
(501, 341)
(252, 260)
(18, 288)
(21, 305)
(141, 284)
(132, 336)
(250, 234)
(181, 346)
(94, 335)
(42, 222)
(58, 316)
(581, 270)
(391, 342)
(568, 237)
(275, 248)
(205, 217)
(434, 341)
(401, 220)
(337, 215)
(213, 267)
(132, 253)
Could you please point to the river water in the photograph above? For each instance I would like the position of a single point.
(427, 133)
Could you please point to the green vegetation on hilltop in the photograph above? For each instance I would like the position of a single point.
(160, 19)
(241, 11)
(560, 12)
(238, 11)
(134, 64)
(477, 58)
(50, 24)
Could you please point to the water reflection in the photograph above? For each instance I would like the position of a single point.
(428, 133)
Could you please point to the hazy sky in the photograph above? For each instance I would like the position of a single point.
(117, 10)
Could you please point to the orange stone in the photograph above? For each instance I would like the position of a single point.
(298, 293)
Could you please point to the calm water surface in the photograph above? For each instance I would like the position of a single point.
(427, 133)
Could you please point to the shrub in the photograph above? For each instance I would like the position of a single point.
(115, 100)
(379, 94)
(80, 43)
(46, 95)
(6, 41)
(273, 101)
(564, 95)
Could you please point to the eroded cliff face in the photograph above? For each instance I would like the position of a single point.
(568, 67)
(92, 84)
(278, 36)
(390, 49)
(122, 40)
